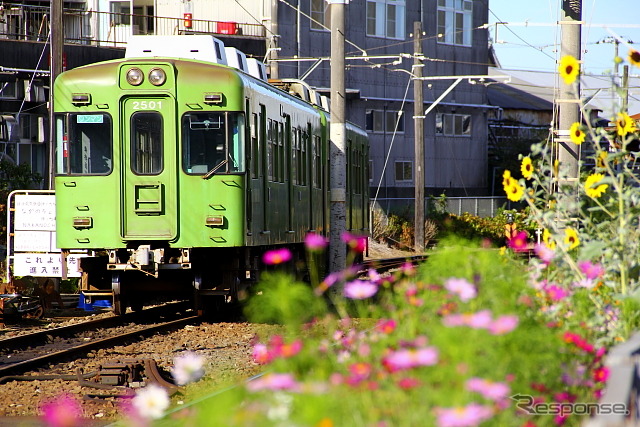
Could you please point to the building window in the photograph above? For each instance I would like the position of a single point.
(8, 90)
(384, 121)
(453, 124)
(404, 171)
(454, 21)
(320, 15)
(385, 18)
(121, 11)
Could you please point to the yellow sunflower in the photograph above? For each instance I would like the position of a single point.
(505, 177)
(514, 190)
(601, 158)
(527, 168)
(571, 238)
(577, 134)
(546, 239)
(592, 186)
(625, 124)
(569, 69)
(634, 57)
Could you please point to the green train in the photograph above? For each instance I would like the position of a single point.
(176, 174)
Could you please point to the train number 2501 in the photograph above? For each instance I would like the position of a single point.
(147, 105)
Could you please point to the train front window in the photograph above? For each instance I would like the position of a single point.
(212, 141)
(84, 144)
(146, 143)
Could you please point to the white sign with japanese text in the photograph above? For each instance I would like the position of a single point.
(34, 241)
(35, 212)
(45, 265)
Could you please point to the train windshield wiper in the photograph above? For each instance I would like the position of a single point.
(215, 168)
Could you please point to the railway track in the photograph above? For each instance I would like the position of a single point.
(40, 349)
(387, 264)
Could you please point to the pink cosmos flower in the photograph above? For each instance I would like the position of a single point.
(328, 282)
(556, 293)
(276, 256)
(495, 391)
(261, 354)
(452, 320)
(356, 243)
(386, 326)
(503, 324)
(315, 242)
(545, 253)
(519, 242)
(584, 283)
(480, 320)
(274, 382)
(410, 358)
(359, 289)
(408, 383)
(601, 375)
(64, 411)
(592, 271)
(462, 288)
(466, 416)
(359, 371)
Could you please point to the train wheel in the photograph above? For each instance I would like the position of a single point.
(119, 307)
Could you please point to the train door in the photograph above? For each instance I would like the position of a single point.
(149, 207)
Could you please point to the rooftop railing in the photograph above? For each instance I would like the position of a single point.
(108, 29)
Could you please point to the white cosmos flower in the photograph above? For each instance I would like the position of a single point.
(151, 401)
(188, 368)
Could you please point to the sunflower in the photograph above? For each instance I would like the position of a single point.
(569, 69)
(514, 190)
(546, 239)
(634, 57)
(571, 238)
(576, 133)
(505, 177)
(592, 186)
(601, 159)
(625, 124)
(527, 168)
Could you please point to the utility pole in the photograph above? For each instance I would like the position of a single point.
(56, 39)
(273, 43)
(418, 120)
(569, 101)
(337, 137)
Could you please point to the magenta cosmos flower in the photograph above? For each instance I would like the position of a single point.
(276, 256)
(64, 411)
(462, 288)
(356, 243)
(519, 242)
(315, 242)
(359, 289)
(409, 358)
(591, 271)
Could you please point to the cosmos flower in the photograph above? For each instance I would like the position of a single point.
(356, 243)
(64, 411)
(601, 374)
(188, 368)
(634, 57)
(359, 289)
(274, 381)
(555, 292)
(625, 124)
(315, 242)
(276, 256)
(462, 288)
(519, 242)
(408, 358)
(513, 190)
(463, 416)
(569, 69)
(151, 401)
(261, 354)
(386, 326)
(571, 238)
(527, 168)
(576, 133)
(590, 270)
(503, 324)
(495, 391)
(544, 252)
(592, 186)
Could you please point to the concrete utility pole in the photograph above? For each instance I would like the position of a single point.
(569, 101)
(272, 44)
(56, 39)
(418, 112)
(337, 136)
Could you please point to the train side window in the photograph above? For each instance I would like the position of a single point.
(85, 147)
(146, 143)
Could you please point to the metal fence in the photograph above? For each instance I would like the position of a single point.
(108, 29)
(479, 206)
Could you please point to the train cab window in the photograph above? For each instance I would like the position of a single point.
(212, 141)
(146, 143)
(84, 144)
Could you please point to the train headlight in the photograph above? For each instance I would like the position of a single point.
(135, 76)
(157, 76)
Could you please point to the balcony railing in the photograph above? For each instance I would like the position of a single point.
(26, 22)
